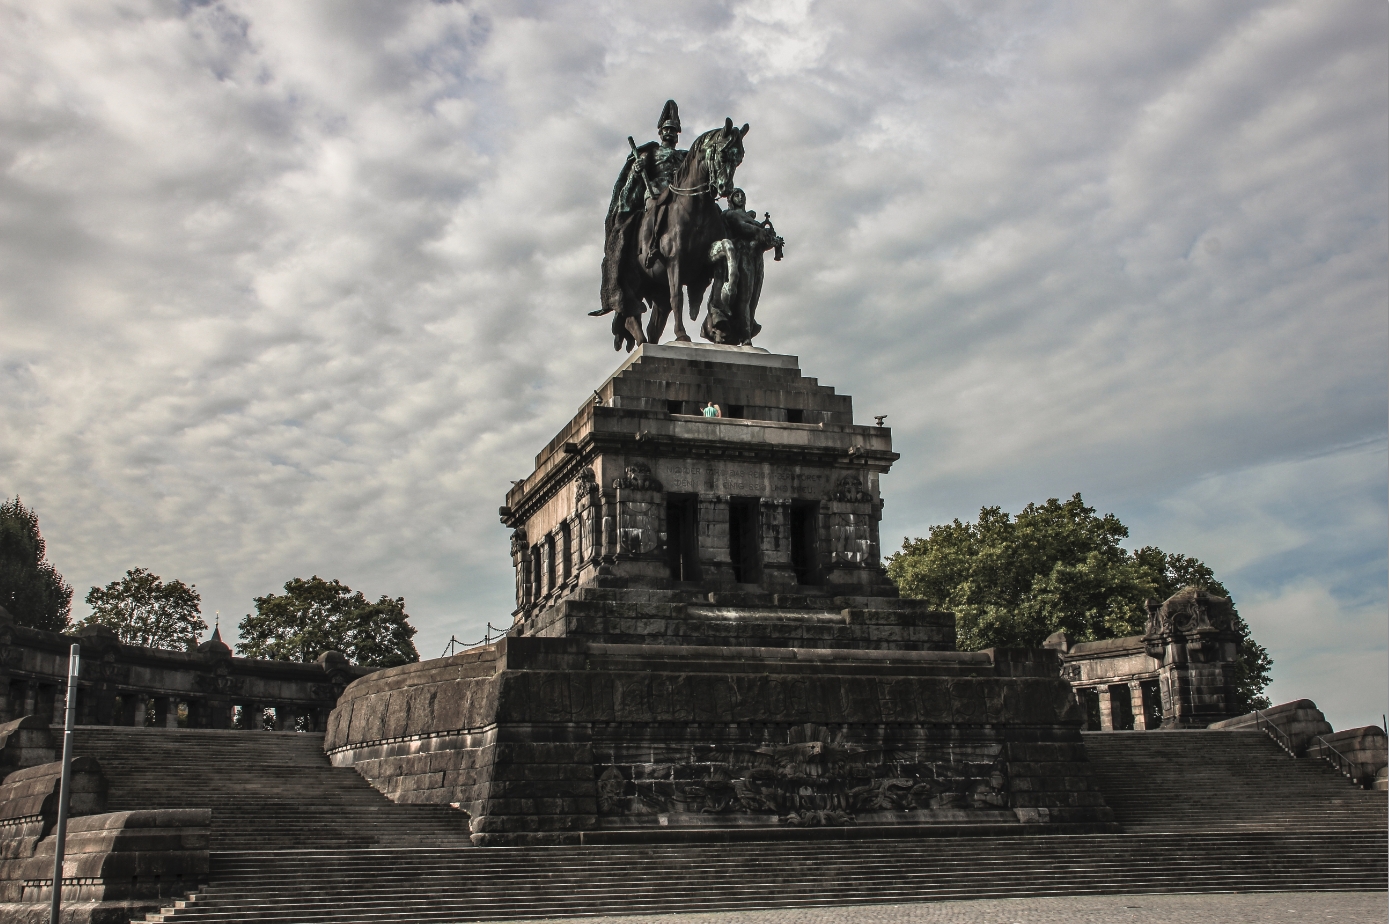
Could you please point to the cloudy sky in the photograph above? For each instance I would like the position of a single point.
(296, 288)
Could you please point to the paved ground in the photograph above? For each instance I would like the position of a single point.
(1262, 908)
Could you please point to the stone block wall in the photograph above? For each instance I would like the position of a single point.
(594, 510)
(733, 619)
(1300, 721)
(562, 741)
(116, 866)
(1364, 749)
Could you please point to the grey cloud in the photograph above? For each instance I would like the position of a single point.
(294, 288)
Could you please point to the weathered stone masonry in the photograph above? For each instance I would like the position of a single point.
(705, 641)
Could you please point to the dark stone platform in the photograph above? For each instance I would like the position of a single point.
(706, 645)
(541, 739)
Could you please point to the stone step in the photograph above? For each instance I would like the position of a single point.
(500, 883)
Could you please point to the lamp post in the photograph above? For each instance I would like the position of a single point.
(65, 786)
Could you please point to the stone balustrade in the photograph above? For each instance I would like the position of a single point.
(123, 684)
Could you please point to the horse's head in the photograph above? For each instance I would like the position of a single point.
(723, 155)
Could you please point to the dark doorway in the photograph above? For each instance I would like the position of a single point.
(682, 536)
(1121, 707)
(805, 521)
(744, 540)
(1090, 699)
(1152, 703)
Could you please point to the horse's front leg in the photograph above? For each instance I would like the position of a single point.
(677, 301)
(633, 325)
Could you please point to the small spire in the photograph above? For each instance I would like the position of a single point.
(216, 626)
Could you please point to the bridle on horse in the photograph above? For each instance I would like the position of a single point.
(704, 187)
(692, 191)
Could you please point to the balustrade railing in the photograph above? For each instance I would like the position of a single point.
(1340, 761)
(1273, 731)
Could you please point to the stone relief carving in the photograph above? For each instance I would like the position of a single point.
(1188, 611)
(584, 484)
(815, 778)
(640, 532)
(851, 539)
(219, 681)
(637, 477)
(850, 490)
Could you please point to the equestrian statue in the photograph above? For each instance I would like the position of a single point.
(665, 236)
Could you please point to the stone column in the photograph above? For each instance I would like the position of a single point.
(547, 566)
(609, 526)
(103, 704)
(1140, 708)
(520, 561)
(134, 707)
(775, 521)
(715, 563)
(1106, 716)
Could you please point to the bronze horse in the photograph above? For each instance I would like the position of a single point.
(677, 233)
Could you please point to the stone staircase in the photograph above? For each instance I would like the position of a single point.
(1223, 781)
(267, 790)
(502, 883)
(1258, 821)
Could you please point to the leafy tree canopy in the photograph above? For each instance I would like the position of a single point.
(145, 611)
(31, 589)
(315, 616)
(1013, 581)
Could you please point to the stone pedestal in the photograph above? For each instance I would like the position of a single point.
(705, 641)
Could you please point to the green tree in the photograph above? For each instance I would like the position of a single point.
(1013, 581)
(145, 611)
(315, 616)
(31, 589)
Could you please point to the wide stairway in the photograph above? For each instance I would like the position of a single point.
(267, 790)
(501, 883)
(1223, 781)
(1309, 843)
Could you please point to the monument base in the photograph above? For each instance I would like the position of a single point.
(562, 741)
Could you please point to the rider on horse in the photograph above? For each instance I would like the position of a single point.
(646, 174)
